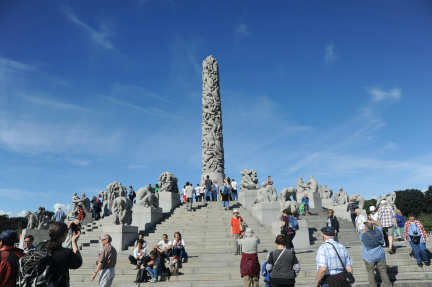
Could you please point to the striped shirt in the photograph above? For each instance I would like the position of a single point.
(327, 257)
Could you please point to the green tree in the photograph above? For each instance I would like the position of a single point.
(410, 201)
(428, 200)
(368, 203)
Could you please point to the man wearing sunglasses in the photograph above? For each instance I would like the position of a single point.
(107, 262)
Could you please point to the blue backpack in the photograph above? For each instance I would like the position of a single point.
(294, 223)
(225, 190)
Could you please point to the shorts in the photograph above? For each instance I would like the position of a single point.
(389, 231)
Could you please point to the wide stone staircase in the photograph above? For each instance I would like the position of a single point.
(207, 235)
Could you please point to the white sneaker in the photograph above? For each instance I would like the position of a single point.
(135, 267)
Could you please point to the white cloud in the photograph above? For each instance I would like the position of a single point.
(330, 55)
(63, 207)
(8, 213)
(379, 95)
(22, 213)
(98, 37)
(242, 30)
(49, 103)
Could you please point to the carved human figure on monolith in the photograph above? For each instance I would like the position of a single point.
(249, 180)
(340, 197)
(168, 182)
(146, 197)
(122, 211)
(212, 138)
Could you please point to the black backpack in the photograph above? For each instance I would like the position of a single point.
(34, 268)
(141, 276)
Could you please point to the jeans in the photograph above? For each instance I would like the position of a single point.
(234, 195)
(306, 208)
(225, 203)
(179, 251)
(353, 217)
(153, 272)
(382, 269)
(419, 251)
(214, 194)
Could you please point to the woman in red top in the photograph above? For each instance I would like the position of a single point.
(235, 230)
(80, 212)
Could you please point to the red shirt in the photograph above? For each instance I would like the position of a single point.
(9, 265)
(80, 214)
(235, 224)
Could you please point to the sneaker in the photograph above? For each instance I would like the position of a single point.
(427, 263)
(142, 267)
(420, 264)
(391, 251)
(135, 267)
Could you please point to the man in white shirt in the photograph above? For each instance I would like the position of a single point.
(197, 193)
(164, 247)
(189, 196)
(235, 186)
(139, 255)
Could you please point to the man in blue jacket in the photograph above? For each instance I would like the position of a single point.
(373, 252)
(305, 201)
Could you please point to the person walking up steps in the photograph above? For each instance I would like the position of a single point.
(189, 196)
(225, 193)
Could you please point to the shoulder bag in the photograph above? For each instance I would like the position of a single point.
(267, 278)
(348, 277)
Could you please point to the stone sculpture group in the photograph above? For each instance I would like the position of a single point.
(38, 220)
(310, 186)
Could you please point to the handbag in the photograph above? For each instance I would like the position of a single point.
(415, 239)
(348, 276)
(267, 278)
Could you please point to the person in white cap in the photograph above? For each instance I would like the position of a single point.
(373, 215)
(236, 223)
(249, 264)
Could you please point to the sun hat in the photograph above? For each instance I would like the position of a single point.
(372, 208)
(236, 211)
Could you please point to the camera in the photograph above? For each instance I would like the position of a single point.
(75, 227)
(415, 232)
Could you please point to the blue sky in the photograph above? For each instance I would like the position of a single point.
(97, 91)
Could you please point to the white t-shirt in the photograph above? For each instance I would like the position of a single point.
(144, 243)
(184, 191)
(181, 242)
(143, 253)
(234, 185)
(197, 190)
(162, 245)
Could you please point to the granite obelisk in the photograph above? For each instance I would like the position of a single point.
(212, 138)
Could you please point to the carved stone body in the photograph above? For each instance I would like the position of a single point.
(341, 197)
(249, 180)
(44, 223)
(212, 138)
(114, 190)
(266, 194)
(286, 193)
(32, 220)
(168, 182)
(301, 186)
(326, 193)
(390, 199)
(84, 201)
(312, 184)
(146, 197)
(122, 211)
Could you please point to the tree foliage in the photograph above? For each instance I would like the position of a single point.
(13, 223)
(368, 203)
(410, 201)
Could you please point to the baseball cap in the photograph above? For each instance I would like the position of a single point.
(8, 236)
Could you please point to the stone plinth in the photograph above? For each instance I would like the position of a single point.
(315, 201)
(122, 235)
(341, 212)
(168, 200)
(327, 203)
(301, 239)
(266, 212)
(246, 198)
(39, 235)
(146, 217)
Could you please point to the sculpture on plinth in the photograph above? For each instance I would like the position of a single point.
(310, 186)
(146, 197)
(83, 200)
(266, 194)
(340, 197)
(249, 180)
(286, 193)
(37, 220)
(357, 198)
(168, 182)
(122, 211)
(326, 193)
(213, 161)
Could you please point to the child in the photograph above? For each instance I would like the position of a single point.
(265, 273)
(301, 209)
